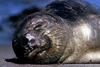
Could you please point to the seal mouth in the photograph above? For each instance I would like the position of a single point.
(43, 44)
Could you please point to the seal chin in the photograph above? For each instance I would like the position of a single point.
(22, 47)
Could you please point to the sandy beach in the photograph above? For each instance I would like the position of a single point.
(7, 60)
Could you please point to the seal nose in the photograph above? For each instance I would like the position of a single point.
(32, 40)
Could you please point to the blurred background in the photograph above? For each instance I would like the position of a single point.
(10, 10)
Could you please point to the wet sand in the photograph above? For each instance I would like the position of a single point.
(7, 59)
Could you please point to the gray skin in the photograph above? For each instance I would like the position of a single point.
(51, 39)
(86, 41)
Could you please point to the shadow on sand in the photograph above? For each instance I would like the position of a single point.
(18, 61)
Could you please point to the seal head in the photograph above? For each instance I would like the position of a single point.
(41, 38)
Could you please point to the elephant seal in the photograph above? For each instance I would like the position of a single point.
(66, 31)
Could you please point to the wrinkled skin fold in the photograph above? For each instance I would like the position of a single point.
(61, 33)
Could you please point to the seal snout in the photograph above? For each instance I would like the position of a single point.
(33, 41)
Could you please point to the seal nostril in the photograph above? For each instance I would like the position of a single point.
(32, 41)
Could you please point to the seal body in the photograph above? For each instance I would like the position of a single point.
(60, 33)
(85, 40)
